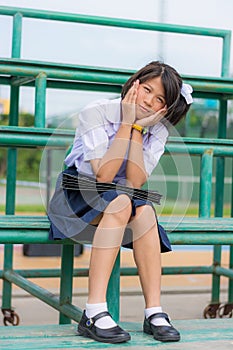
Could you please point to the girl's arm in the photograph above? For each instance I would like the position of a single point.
(136, 174)
(106, 168)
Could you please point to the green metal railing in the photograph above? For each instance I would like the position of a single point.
(19, 13)
(42, 75)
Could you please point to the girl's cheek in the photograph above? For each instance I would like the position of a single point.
(139, 97)
(157, 107)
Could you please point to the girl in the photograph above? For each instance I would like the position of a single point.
(121, 141)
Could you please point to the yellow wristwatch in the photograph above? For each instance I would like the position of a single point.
(138, 128)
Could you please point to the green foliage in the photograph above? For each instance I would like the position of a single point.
(28, 161)
(26, 119)
(26, 208)
(230, 130)
(3, 154)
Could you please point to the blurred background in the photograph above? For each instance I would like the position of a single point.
(82, 44)
(178, 181)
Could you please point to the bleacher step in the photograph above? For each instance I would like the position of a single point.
(196, 334)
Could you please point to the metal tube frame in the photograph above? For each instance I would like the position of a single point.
(63, 303)
(12, 160)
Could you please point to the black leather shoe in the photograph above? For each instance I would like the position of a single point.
(87, 328)
(161, 333)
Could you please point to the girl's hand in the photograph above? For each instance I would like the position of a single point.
(128, 104)
(153, 119)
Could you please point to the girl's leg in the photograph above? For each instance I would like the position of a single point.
(146, 249)
(96, 322)
(106, 244)
(105, 247)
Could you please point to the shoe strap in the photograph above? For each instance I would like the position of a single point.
(159, 315)
(100, 315)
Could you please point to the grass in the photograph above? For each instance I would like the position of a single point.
(26, 208)
(192, 210)
(167, 210)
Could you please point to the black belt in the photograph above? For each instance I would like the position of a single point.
(81, 182)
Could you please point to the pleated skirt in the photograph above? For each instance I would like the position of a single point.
(71, 213)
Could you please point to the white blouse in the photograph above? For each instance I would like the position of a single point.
(97, 127)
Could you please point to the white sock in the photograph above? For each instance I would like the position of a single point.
(156, 321)
(104, 322)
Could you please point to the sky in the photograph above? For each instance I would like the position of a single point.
(116, 47)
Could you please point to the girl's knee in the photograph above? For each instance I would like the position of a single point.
(143, 221)
(120, 206)
(146, 212)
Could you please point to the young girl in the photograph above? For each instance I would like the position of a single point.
(121, 141)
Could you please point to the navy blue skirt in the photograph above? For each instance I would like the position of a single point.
(71, 211)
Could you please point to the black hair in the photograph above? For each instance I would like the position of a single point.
(177, 106)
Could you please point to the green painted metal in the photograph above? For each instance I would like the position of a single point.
(196, 334)
(128, 271)
(113, 291)
(7, 286)
(15, 81)
(40, 137)
(201, 237)
(16, 35)
(230, 287)
(66, 280)
(124, 271)
(94, 77)
(219, 197)
(35, 137)
(217, 90)
(206, 183)
(226, 55)
(11, 161)
(40, 102)
(42, 75)
(122, 23)
(69, 310)
(113, 22)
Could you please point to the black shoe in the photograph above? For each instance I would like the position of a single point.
(161, 333)
(87, 328)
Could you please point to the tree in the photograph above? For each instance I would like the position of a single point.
(28, 160)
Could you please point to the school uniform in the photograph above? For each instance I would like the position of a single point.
(71, 211)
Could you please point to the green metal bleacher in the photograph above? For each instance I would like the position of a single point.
(203, 230)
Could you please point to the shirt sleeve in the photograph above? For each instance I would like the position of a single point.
(154, 146)
(92, 131)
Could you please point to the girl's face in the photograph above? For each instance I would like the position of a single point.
(150, 97)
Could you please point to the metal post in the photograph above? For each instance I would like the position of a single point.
(40, 101)
(206, 183)
(11, 162)
(66, 280)
(16, 35)
(49, 176)
(230, 287)
(226, 52)
(219, 198)
(113, 292)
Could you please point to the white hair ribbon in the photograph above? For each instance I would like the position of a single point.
(186, 92)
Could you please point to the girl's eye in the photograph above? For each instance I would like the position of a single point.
(160, 100)
(146, 89)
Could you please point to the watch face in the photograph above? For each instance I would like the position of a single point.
(137, 127)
